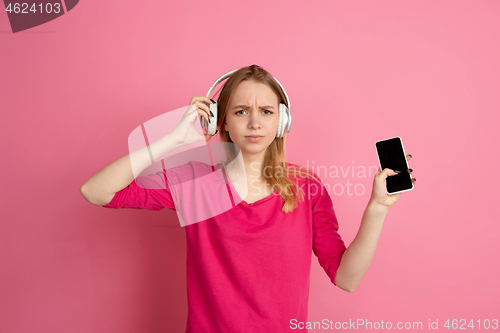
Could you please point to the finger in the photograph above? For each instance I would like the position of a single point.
(204, 107)
(203, 99)
(208, 107)
(408, 157)
(207, 100)
(204, 114)
(410, 170)
(197, 110)
(414, 180)
(387, 173)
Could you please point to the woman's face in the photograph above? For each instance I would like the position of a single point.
(252, 111)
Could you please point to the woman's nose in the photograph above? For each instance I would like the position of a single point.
(254, 125)
(254, 121)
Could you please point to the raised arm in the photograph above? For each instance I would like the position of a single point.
(101, 187)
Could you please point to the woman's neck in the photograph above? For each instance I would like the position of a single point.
(253, 166)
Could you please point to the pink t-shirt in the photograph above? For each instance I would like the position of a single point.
(248, 268)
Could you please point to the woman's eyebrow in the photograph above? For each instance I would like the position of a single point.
(246, 106)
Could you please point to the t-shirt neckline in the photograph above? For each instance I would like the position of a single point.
(270, 196)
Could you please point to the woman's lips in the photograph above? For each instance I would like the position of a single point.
(254, 138)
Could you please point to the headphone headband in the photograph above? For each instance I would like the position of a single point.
(282, 89)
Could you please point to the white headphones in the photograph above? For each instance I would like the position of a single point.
(284, 113)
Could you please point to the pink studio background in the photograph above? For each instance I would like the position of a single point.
(74, 88)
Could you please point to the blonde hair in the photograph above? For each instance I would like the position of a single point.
(275, 157)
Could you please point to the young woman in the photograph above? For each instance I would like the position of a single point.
(248, 268)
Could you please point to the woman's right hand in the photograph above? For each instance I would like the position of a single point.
(185, 133)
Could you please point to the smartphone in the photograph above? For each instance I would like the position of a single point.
(391, 154)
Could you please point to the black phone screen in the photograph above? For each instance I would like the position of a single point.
(391, 155)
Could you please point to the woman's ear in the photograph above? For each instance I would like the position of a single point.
(225, 127)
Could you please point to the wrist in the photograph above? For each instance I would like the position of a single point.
(172, 140)
(377, 208)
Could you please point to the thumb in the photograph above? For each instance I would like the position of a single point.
(387, 173)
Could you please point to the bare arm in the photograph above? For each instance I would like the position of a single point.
(101, 187)
(358, 256)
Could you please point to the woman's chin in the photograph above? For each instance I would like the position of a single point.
(252, 149)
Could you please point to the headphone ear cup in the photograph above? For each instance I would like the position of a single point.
(282, 120)
(212, 126)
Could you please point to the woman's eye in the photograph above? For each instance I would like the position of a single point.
(238, 112)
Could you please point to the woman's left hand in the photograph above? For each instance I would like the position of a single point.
(379, 191)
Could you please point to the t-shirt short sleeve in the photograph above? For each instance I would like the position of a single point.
(328, 246)
(153, 194)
